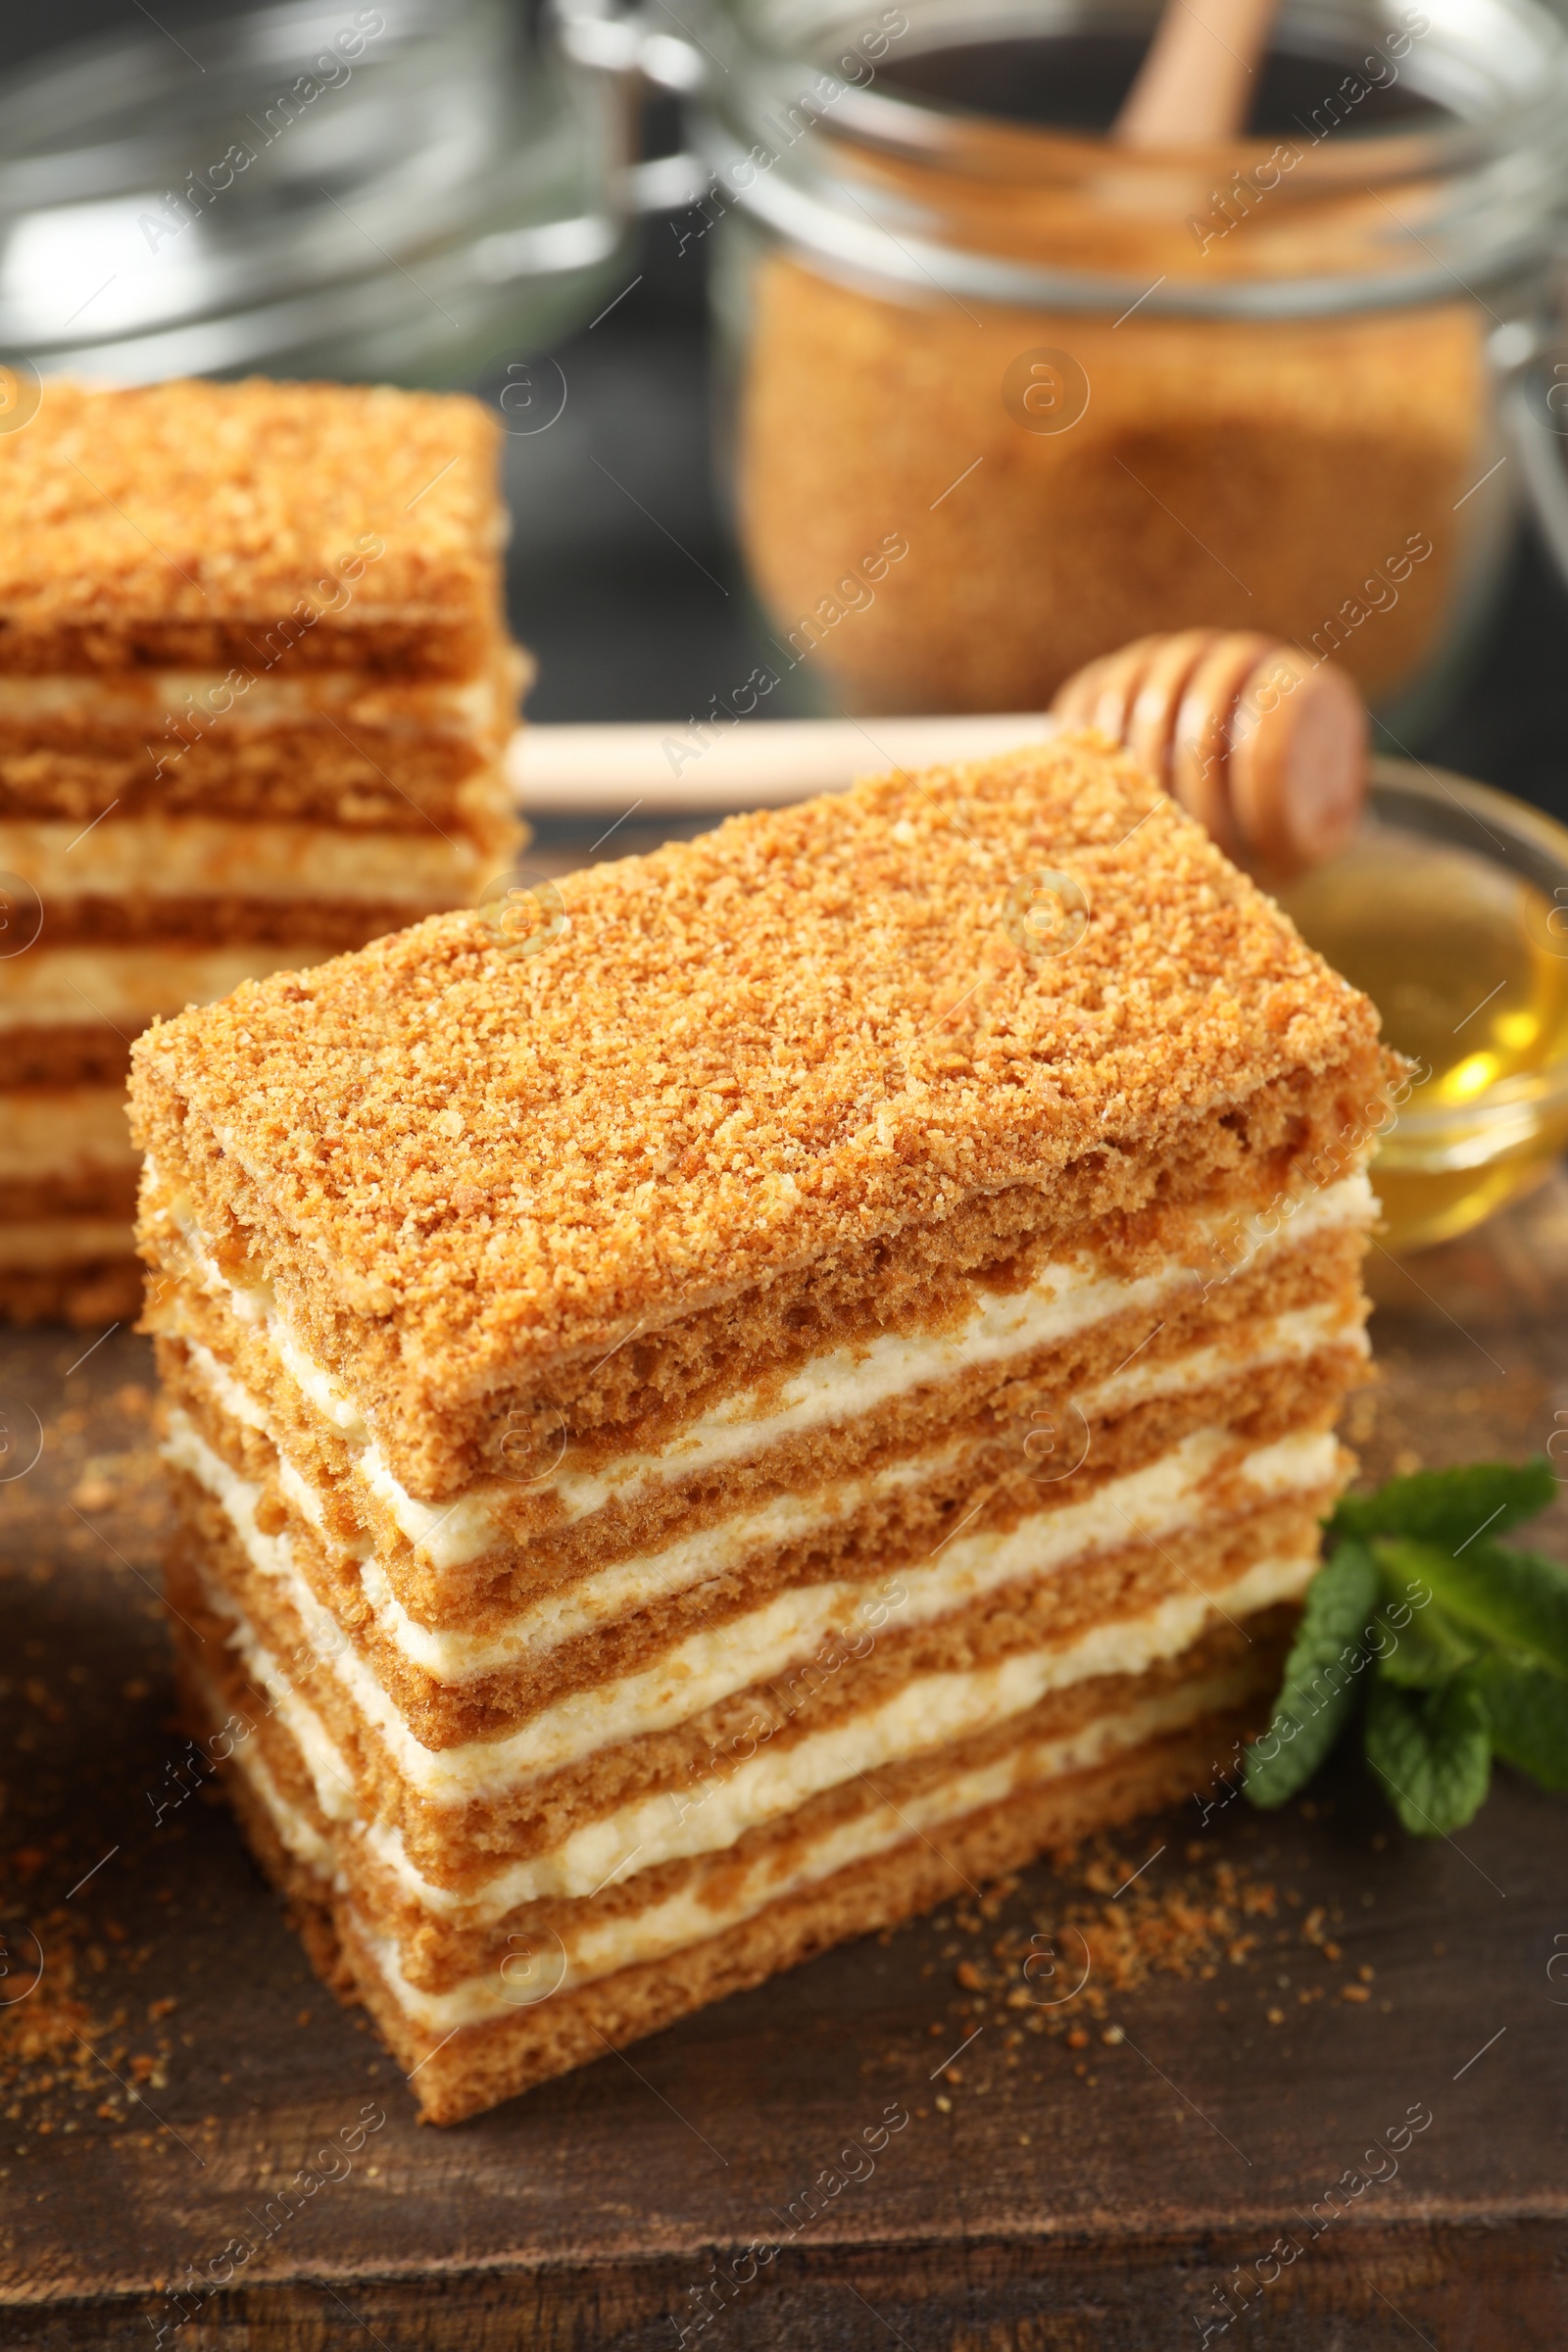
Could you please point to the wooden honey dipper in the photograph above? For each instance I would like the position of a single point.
(1266, 747)
(1193, 86)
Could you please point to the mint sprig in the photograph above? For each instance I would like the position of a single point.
(1449, 1507)
(1432, 1750)
(1318, 1697)
(1527, 1712)
(1451, 1645)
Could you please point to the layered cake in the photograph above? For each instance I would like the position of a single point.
(254, 688)
(707, 1417)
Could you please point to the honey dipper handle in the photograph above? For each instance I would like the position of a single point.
(681, 767)
(1196, 85)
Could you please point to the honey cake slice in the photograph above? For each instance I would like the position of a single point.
(172, 526)
(569, 1318)
(254, 689)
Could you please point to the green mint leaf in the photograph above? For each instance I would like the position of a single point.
(1432, 1750)
(1527, 1709)
(1424, 1652)
(1515, 1599)
(1450, 1507)
(1322, 1674)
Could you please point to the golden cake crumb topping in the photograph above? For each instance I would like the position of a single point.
(504, 1135)
(203, 502)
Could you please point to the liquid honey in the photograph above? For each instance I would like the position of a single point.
(1468, 964)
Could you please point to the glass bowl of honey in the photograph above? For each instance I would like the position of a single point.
(1450, 909)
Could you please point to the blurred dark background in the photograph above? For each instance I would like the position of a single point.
(624, 581)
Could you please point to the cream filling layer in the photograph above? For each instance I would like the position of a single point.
(548, 1962)
(64, 1131)
(200, 856)
(44, 1245)
(928, 1712)
(148, 700)
(1160, 1498)
(297, 1830)
(834, 1621)
(124, 987)
(838, 1386)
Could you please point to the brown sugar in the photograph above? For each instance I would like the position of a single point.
(1304, 478)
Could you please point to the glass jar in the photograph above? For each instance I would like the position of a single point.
(1007, 394)
(396, 192)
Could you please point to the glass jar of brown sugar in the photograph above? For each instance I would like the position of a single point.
(1007, 394)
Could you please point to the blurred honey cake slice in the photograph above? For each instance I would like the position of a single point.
(799, 1379)
(255, 687)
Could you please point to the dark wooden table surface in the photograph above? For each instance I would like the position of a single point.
(176, 2067)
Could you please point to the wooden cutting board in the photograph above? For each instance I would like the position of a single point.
(1064, 2190)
